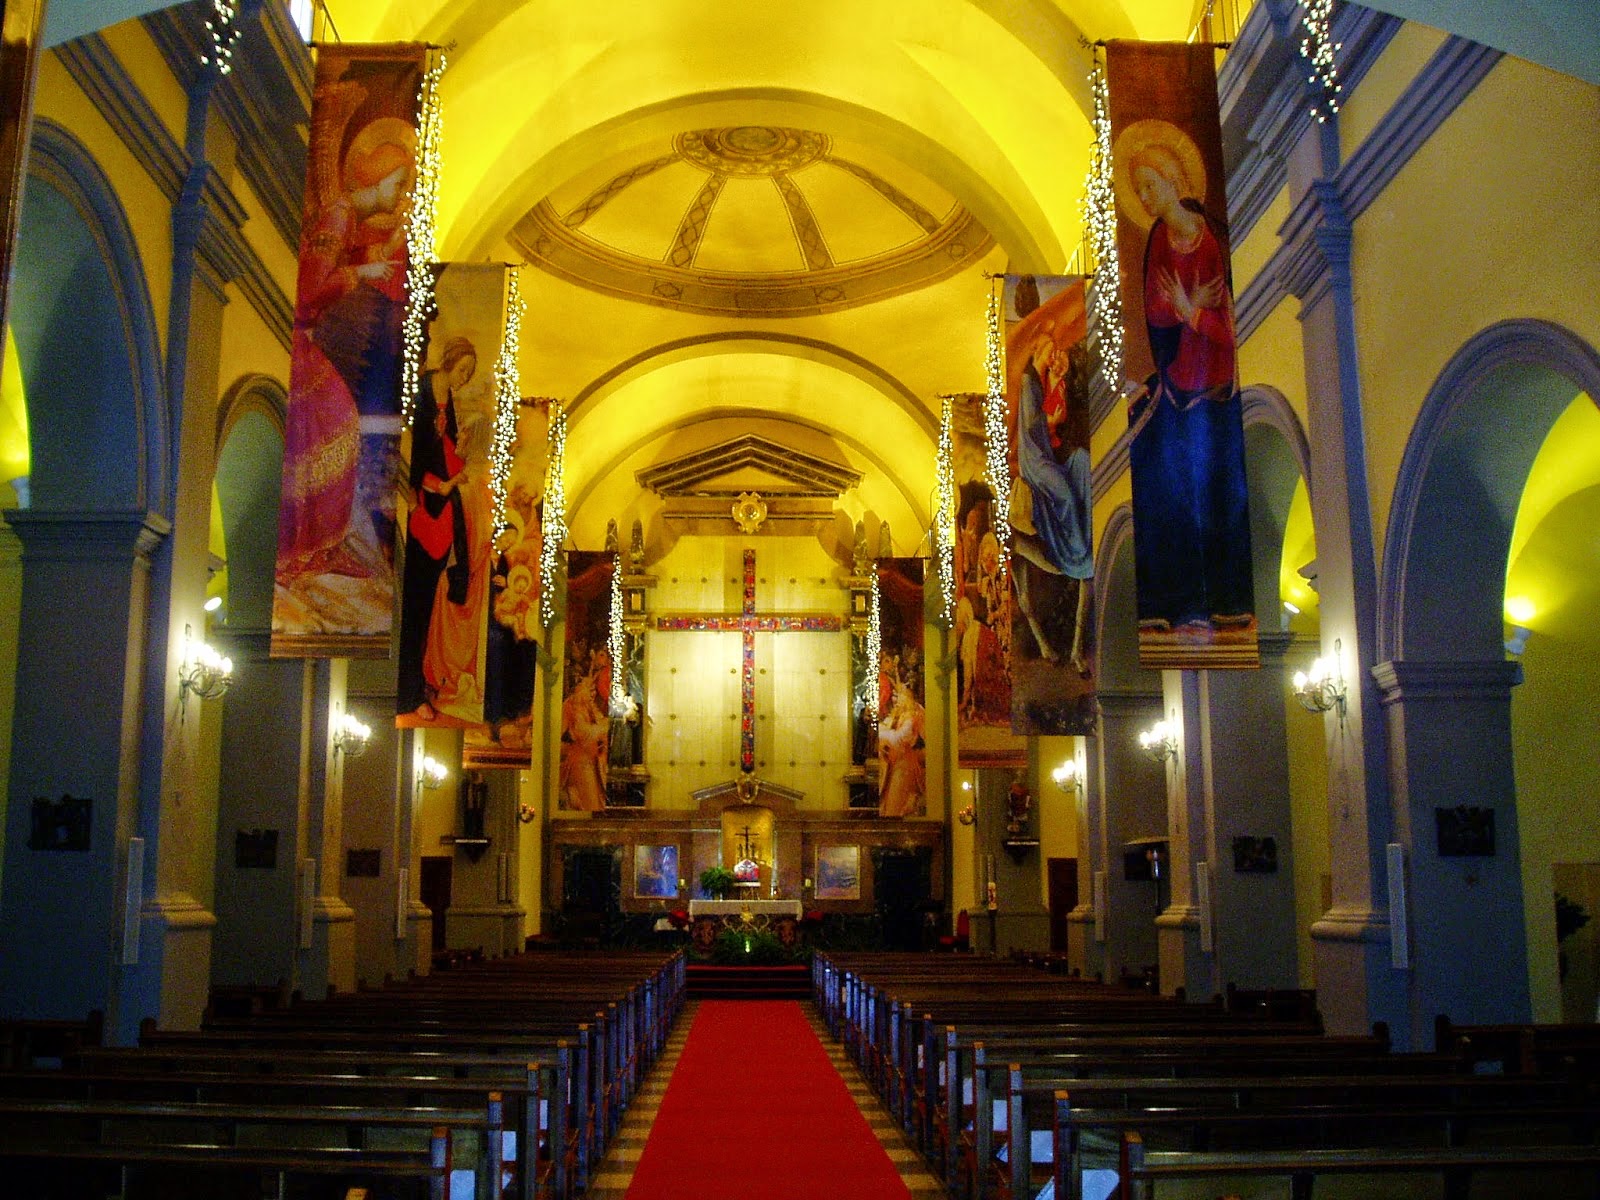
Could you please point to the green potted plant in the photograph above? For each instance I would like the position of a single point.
(717, 882)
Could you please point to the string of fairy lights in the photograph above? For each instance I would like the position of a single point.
(225, 30)
(1100, 214)
(996, 439)
(555, 512)
(944, 511)
(420, 230)
(507, 399)
(616, 645)
(874, 644)
(1318, 49)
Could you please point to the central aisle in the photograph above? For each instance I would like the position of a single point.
(755, 1108)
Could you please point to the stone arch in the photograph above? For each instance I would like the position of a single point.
(1459, 484)
(250, 423)
(86, 339)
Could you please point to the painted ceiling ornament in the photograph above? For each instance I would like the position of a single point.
(752, 149)
(749, 512)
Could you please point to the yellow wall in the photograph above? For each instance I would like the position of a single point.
(1438, 258)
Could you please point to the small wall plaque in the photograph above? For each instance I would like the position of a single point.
(255, 849)
(1255, 855)
(363, 864)
(62, 824)
(1465, 831)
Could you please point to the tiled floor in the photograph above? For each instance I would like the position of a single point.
(610, 1181)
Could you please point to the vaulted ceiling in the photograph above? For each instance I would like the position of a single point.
(768, 217)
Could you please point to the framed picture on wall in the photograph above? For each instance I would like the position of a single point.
(838, 873)
(655, 872)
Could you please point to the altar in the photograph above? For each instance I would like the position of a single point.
(737, 908)
(708, 918)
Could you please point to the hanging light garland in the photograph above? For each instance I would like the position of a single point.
(1100, 214)
(420, 238)
(874, 646)
(944, 511)
(223, 26)
(1318, 49)
(507, 397)
(996, 435)
(615, 644)
(554, 533)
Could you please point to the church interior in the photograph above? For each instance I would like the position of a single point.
(756, 252)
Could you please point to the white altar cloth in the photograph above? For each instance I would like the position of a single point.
(733, 908)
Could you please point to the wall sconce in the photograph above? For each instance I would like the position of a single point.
(1160, 741)
(350, 736)
(1323, 688)
(527, 814)
(204, 672)
(431, 774)
(1518, 641)
(1067, 777)
(967, 815)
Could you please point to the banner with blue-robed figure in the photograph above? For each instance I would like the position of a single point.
(1051, 510)
(1196, 603)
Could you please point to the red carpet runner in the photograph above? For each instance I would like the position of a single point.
(755, 1109)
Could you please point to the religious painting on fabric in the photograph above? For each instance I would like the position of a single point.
(902, 750)
(506, 737)
(1052, 560)
(335, 580)
(982, 633)
(586, 683)
(449, 519)
(1194, 583)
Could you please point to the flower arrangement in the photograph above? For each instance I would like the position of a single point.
(717, 882)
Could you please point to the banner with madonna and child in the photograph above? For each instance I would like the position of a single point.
(335, 577)
(1196, 603)
(902, 747)
(448, 515)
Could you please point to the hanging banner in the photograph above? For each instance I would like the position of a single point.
(444, 592)
(515, 631)
(1052, 559)
(334, 591)
(1191, 519)
(982, 631)
(586, 682)
(902, 750)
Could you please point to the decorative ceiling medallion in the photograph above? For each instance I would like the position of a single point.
(749, 511)
(751, 149)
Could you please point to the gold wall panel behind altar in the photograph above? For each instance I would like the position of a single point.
(334, 591)
(444, 593)
(902, 748)
(982, 633)
(586, 680)
(506, 740)
(1052, 516)
(802, 679)
(1191, 515)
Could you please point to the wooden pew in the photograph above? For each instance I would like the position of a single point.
(1144, 1171)
(61, 1166)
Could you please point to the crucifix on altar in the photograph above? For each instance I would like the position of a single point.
(747, 622)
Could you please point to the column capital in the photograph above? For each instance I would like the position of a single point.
(69, 535)
(1411, 680)
(1352, 924)
(1125, 704)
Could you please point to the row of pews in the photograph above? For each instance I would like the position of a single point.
(1017, 1082)
(499, 1080)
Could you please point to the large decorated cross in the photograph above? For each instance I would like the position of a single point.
(748, 623)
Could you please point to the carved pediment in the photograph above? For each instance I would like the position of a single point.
(749, 464)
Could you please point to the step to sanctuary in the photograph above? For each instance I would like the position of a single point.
(714, 981)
